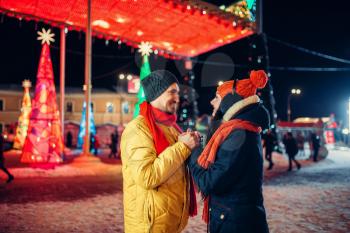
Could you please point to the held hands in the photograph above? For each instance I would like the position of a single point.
(190, 138)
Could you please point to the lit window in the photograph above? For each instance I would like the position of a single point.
(109, 107)
(125, 107)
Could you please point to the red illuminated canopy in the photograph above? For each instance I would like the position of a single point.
(175, 28)
(299, 124)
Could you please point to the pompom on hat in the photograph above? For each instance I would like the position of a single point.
(244, 87)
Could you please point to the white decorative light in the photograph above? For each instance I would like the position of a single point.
(166, 43)
(139, 33)
(46, 36)
(145, 48)
(101, 23)
(120, 19)
(222, 7)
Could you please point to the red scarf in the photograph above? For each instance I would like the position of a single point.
(153, 115)
(208, 155)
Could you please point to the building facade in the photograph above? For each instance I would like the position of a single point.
(111, 110)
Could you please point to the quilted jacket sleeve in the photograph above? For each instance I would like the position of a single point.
(149, 170)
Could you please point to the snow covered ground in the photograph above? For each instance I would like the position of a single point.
(75, 198)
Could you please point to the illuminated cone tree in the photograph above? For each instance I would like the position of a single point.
(145, 48)
(23, 120)
(43, 145)
(82, 125)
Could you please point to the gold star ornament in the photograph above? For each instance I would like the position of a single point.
(145, 48)
(46, 36)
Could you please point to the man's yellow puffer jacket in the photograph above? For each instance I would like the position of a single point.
(156, 187)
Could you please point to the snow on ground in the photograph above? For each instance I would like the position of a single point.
(313, 199)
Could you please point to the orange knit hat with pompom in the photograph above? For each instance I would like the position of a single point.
(244, 87)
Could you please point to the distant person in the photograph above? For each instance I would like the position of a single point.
(269, 144)
(69, 139)
(300, 142)
(94, 144)
(2, 160)
(92, 140)
(291, 150)
(315, 140)
(114, 145)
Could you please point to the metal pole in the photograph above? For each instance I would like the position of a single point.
(259, 16)
(289, 111)
(86, 147)
(62, 76)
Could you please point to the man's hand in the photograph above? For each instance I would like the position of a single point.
(191, 139)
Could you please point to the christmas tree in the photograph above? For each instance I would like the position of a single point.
(43, 145)
(82, 126)
(23, 121)
(145, 49)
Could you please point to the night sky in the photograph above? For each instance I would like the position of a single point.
(322, 26)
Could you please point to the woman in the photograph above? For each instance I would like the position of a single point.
(229, 171)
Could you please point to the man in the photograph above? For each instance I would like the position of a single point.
(153, 151)
(114, 145)
(229, 171)
(291, 147)
(315, 139)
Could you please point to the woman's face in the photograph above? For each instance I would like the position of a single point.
(215, 103)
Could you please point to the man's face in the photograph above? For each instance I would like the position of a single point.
(169, 100)
(216, 104)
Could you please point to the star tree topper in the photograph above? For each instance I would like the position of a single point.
(46, 36)
(145, 48)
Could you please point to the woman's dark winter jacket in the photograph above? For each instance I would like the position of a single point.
(234, 180)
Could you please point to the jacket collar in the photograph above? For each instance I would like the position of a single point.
(238, 106)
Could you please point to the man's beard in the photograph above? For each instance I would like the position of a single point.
(171, 107)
